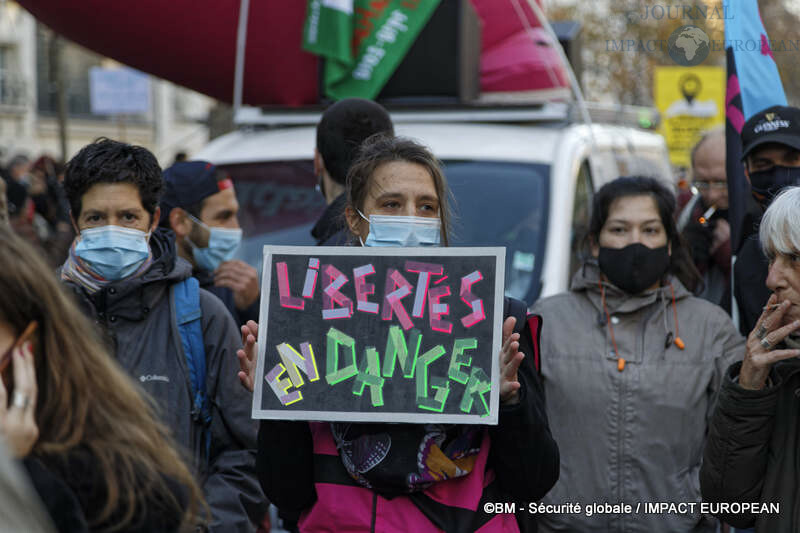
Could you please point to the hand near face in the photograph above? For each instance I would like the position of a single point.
(248, 355)
(758, 358)
(240, 278)
(17, 421)
(510, 359)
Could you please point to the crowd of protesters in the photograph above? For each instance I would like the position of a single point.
(37, 207)
(128, 339)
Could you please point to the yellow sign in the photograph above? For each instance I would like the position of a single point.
(691, 100)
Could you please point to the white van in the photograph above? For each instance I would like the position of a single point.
(522, 178)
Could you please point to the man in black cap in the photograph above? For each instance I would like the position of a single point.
(200, 206)
(342, 129)
(771, 154)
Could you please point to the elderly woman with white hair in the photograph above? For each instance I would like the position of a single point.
(752, 454)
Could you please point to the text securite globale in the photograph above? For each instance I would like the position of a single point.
(648, 508)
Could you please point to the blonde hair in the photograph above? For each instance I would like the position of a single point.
(779, 232)
(87, 402)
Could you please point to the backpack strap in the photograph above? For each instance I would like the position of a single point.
(188, 313)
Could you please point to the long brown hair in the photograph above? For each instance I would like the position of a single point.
(384, 148)
(86, 401)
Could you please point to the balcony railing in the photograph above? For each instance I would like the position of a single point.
(13, 91)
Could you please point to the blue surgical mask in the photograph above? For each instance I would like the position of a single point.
(390, 230)
(113, 252)
(222, 245)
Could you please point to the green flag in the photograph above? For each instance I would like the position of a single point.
(363, 41)
(329, 29)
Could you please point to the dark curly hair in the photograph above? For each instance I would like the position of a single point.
(108, 161)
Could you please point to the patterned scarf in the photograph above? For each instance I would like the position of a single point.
(397, 459)
(78, 271)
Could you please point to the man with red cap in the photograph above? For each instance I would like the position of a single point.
(200, 206)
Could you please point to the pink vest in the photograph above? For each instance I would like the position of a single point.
(347, 508)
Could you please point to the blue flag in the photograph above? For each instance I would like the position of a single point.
(754, 84)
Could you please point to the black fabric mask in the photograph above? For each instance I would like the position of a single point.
(635, 267)
(766, 184)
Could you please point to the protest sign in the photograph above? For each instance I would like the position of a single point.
(691, 100)
(380, 334)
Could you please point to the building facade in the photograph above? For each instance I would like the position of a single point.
(39, 69)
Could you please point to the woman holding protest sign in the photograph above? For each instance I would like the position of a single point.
(633, 383)
(90, 442)
(434, 477)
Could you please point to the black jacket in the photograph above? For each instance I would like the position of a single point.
(331, 228)
(73, 490)
(753, 450)
(715, 268)
(523, 453)
(750, 278)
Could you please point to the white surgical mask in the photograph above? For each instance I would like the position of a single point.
(392, 230)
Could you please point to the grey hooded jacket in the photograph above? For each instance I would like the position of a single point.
(636, 435)
(138, 316)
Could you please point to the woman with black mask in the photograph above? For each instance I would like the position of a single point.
(632, 366)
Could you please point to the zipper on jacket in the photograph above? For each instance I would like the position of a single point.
(620, 421)
(374, 511)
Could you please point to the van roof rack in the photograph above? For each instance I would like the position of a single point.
(439, 110)
(416, 111)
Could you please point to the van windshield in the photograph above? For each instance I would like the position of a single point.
(494, 204)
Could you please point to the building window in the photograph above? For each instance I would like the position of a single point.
(12, 86)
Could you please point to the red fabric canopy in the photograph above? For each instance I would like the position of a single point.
(193, 43)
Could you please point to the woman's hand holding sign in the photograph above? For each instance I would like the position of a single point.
(510, 359)
(248, 355)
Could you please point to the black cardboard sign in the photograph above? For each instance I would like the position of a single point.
(380, 334)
